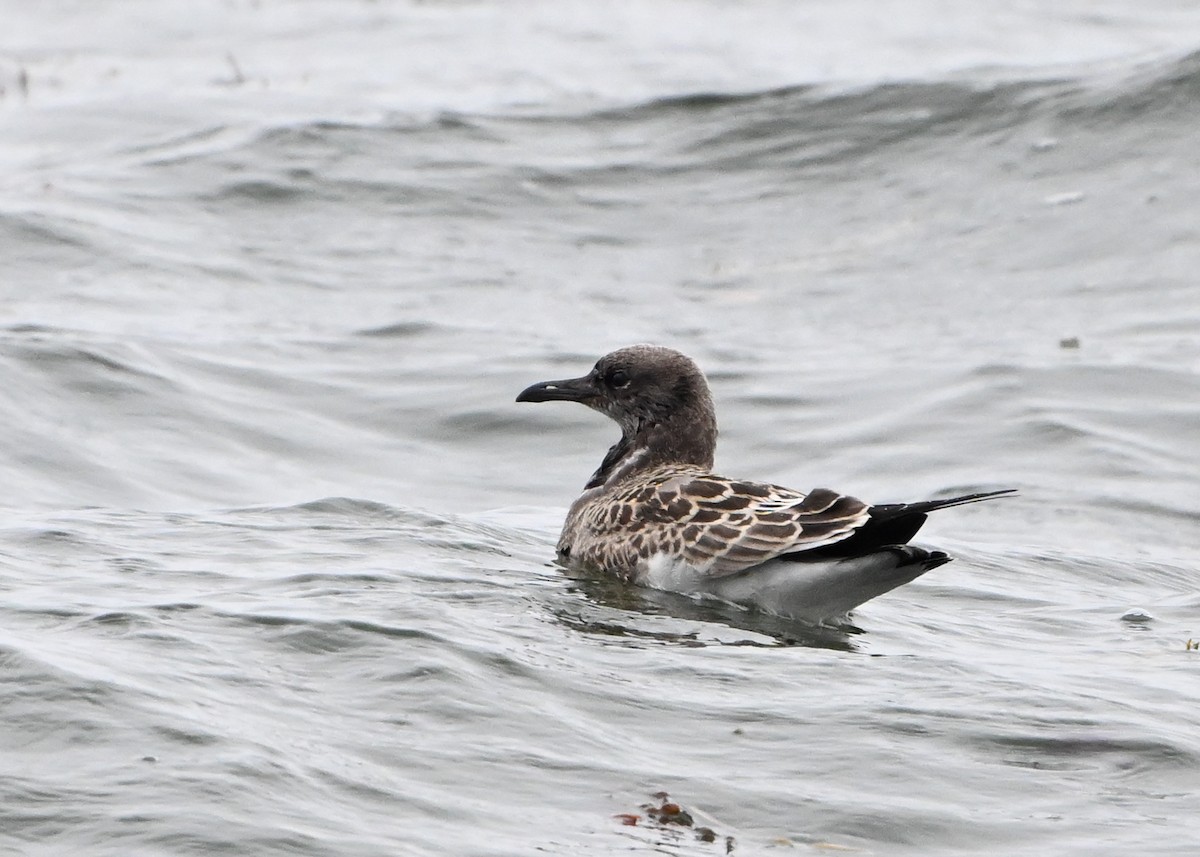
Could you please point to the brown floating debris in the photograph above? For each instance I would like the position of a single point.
(666, 814)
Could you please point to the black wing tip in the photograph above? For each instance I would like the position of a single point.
(978, 497)
(926, 506)
(987, 495)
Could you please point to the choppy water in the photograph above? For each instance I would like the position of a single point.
(275, 555)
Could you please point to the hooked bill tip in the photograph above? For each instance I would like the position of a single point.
(574, 390)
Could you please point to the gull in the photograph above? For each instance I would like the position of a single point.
(656, 515)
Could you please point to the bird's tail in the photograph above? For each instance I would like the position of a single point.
(889, 525)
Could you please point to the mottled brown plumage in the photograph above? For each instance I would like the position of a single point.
(716, 525)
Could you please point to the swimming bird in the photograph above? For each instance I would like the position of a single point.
(655, 514)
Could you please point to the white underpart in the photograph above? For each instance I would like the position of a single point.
(809, 591)
(669, 573)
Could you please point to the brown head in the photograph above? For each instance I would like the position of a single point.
(657, 396)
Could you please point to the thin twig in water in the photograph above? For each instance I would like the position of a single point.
(238, 78)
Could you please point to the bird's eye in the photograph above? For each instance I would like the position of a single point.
(618, 378)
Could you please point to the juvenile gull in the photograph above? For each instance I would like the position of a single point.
(655, 514)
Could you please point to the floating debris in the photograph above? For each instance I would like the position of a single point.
(1069, 342)
(668, 816)
(670, 813)
(238, 78)
(1068, 198)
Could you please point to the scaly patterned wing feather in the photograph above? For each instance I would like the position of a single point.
(724, 526)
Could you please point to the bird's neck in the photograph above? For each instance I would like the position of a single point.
(686, 438)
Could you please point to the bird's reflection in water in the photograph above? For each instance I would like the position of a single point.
(612, 607)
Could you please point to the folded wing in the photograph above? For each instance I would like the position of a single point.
(727, 526)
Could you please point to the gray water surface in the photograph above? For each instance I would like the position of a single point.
(276, 554)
